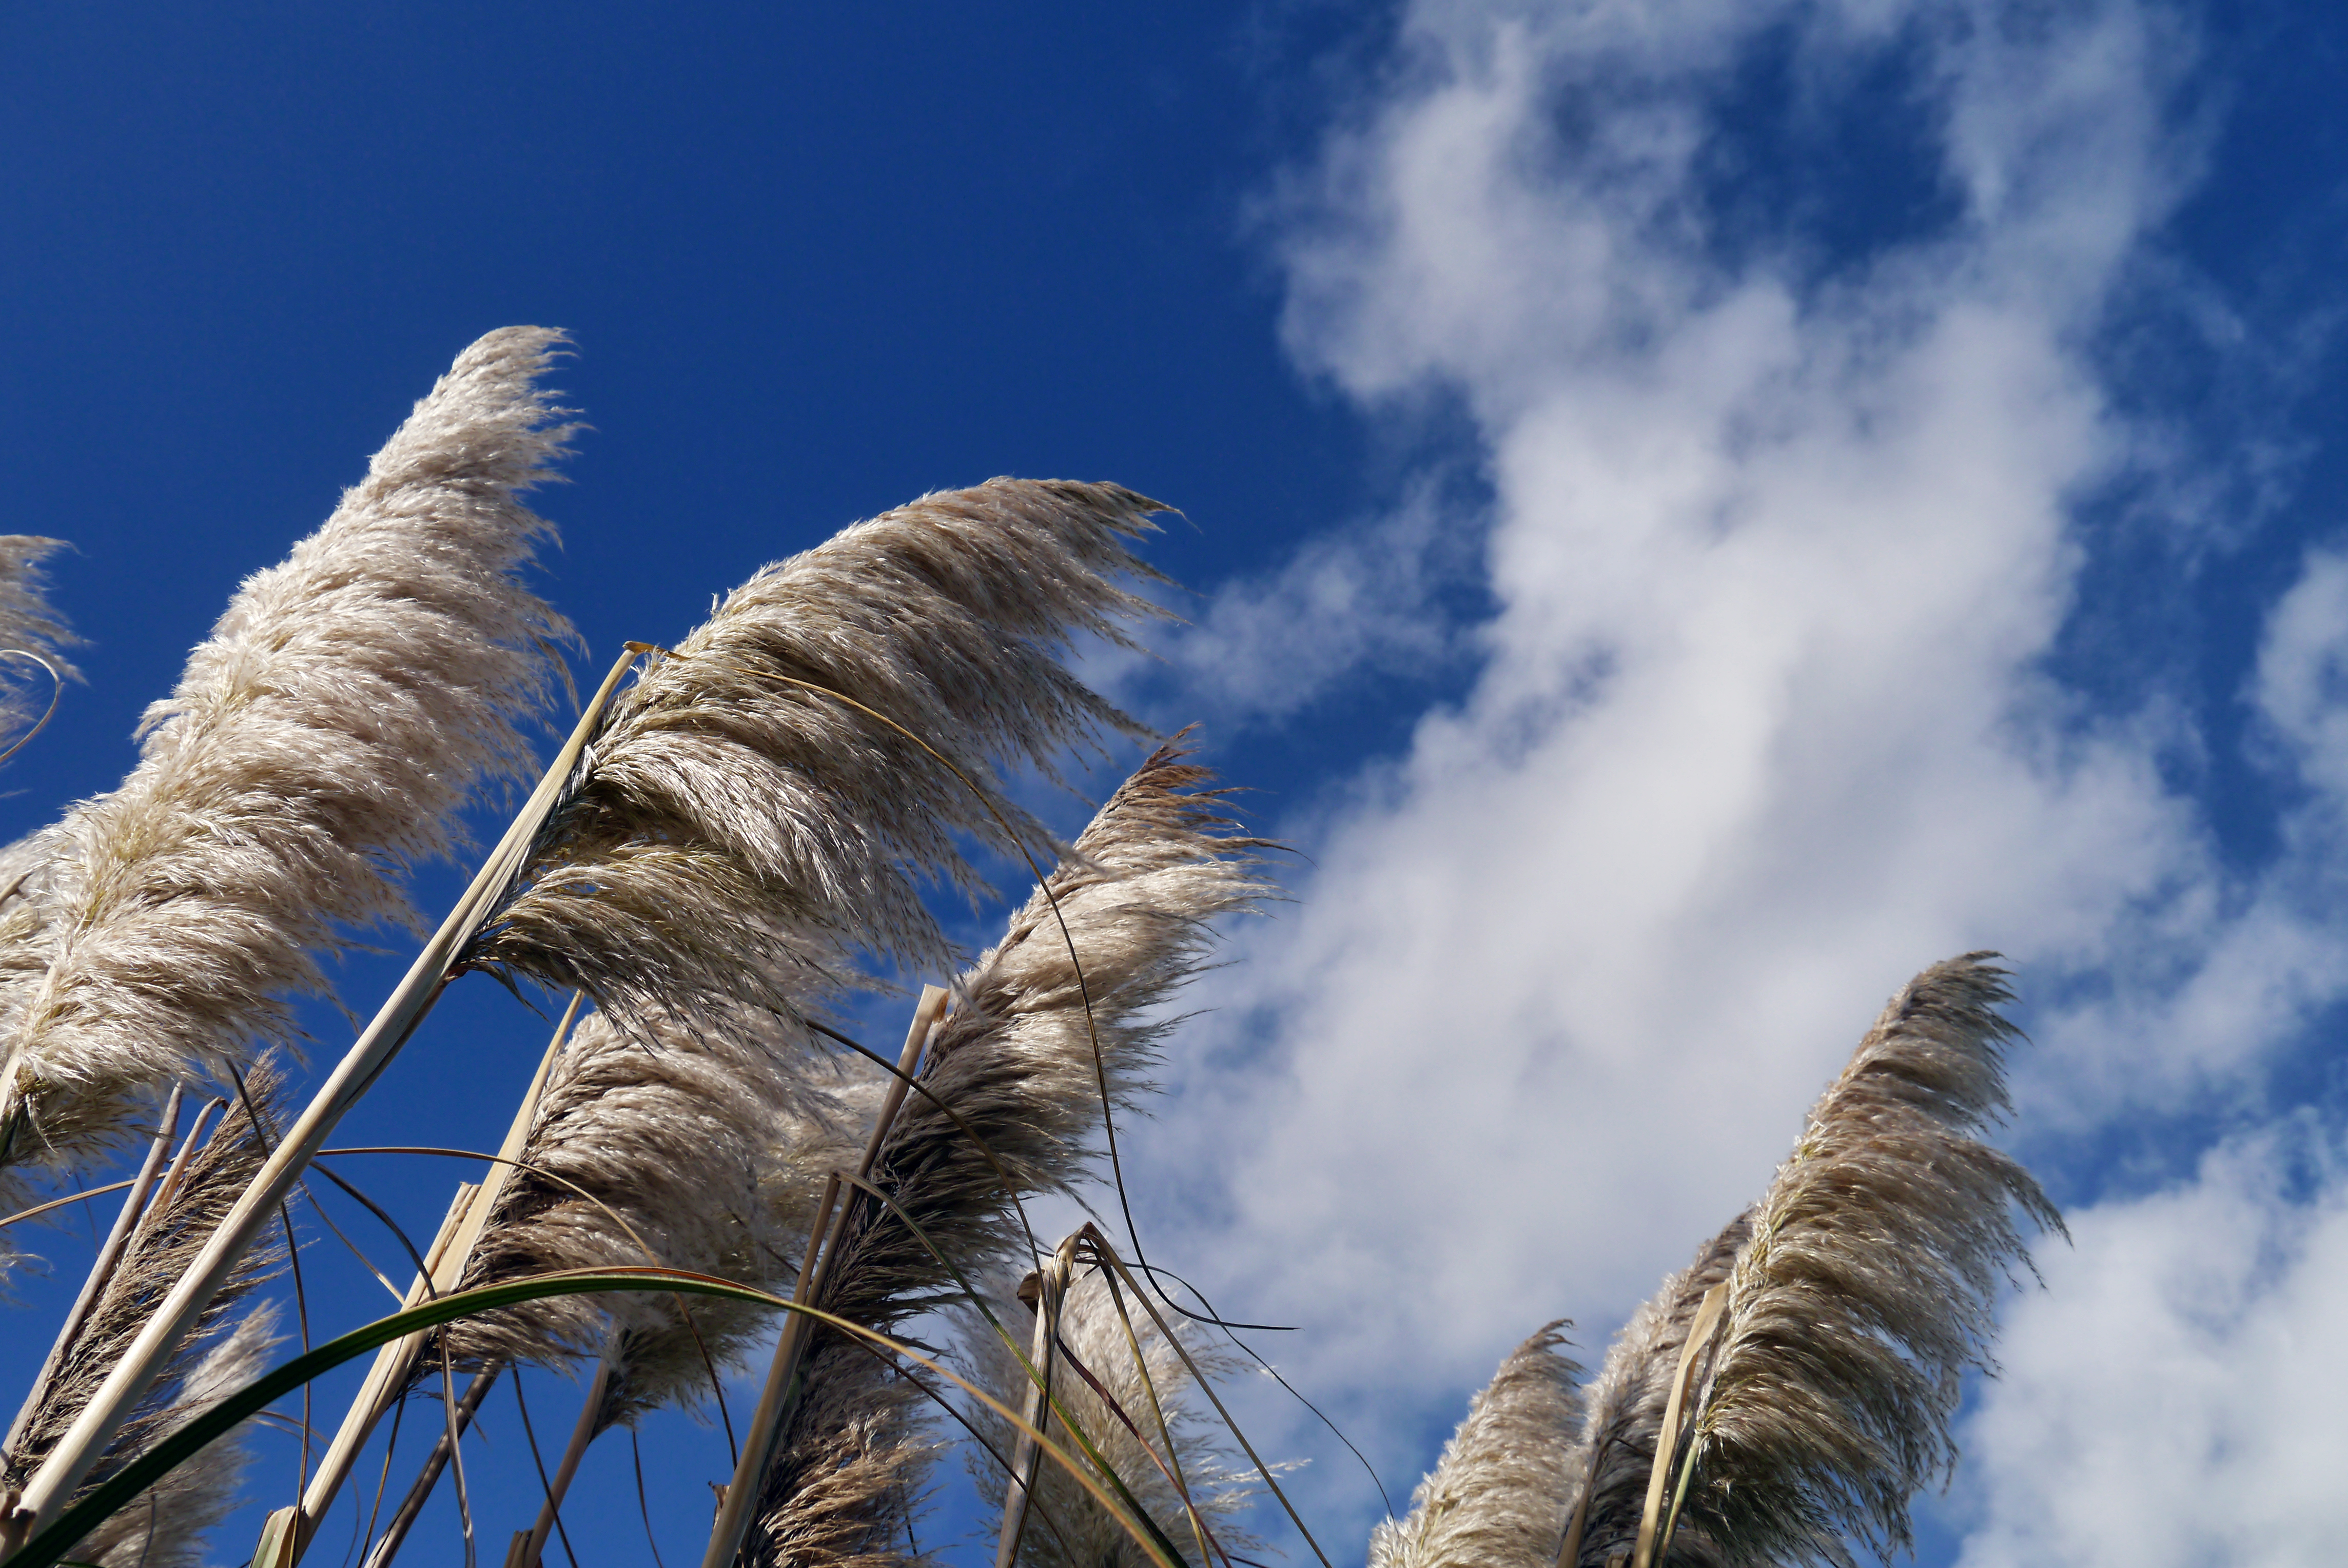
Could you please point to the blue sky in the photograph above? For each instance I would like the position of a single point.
(1695, 510)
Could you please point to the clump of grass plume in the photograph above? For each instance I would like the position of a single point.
(170, 1525)
(164, 1241)
(1627, 1405)
(736, 839)
(320, 740)
(1014, 1060)
(1499, 1496)
(712, 1148)
(1868, 1286)
(1081, 1532)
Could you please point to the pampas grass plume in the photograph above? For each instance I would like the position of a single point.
(737, 841)
(29, 625)
(1014, 1060)
(1067, 1526)
(713, 1149)
(1499, 1495)
(169, 1525)
(322, 738)
(1627, 1404)
(1869, 1287)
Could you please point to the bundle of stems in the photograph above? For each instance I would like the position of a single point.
(170, 1526)
(170, 1209)
(721, 855)
(1117, 1376)
(1048, 1031)
(744, 837)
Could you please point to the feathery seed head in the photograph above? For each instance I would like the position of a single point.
(29, 625)
(164, 1242)
(710, 1147)
(1868, 1285)
(736, 839)
(1499, 1495)
(322, 738)
(1627, 1407)
(1067, 1527)
(1015, 1060)
(168, 1526)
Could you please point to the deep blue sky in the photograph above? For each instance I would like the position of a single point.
(818, 259)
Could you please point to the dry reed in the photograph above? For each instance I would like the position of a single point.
(1069, 1527)
(737, 841)
(1868, 1288)
(29, 625)
(168, 1525)
(320, 741)
(713, 1149)
(1627, 1406)
(185, 1211)
(1015, 1062)
(1499, 1495)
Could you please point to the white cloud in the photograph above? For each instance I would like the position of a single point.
(1762, 726)
(1361, 601)
(2174, 1395)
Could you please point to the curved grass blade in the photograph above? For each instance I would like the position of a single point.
(47, 1548)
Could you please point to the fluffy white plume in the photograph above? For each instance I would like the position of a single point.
(734, 839)
(320, 740)
(1499, 1495)
(1066, 1527)
(28, 625)
(1868, 1286)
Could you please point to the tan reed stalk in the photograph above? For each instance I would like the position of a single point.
(176, 1317)
(1152, 1437)
(1868, 1286)
(742, 842)
(1675, 1406)
(1627, 1404)
(1498, 1498)
(445, 1263)
(321, 740)
(171, 1525)
(1020, 1062)
(101, 1268)
(1049, 1283)
(173, 1230)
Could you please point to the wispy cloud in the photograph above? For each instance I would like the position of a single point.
(1783, 535)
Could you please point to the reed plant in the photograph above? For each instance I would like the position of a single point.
(735, 847)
